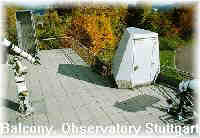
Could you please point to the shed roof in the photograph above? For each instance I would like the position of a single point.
(138, 33)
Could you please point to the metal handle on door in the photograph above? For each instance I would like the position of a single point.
(136, 67)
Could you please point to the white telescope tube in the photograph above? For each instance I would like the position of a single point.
(19, 51)
(192, 84)
(23, 53)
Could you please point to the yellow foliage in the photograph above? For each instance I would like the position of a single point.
(11, 17)
(97, 23)
(99, 30)
(10, 22)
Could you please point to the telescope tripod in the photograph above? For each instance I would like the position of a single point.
(23, 95)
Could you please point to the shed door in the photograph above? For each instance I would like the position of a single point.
(142, 61)
(155, 59)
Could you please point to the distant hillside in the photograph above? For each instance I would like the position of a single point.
(165, 7)
(39, 11)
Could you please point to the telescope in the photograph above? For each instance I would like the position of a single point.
(187, 96)
(23, 99)
(16, 51)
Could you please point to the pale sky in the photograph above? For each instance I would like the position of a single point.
(44, 3)
(47, 2)
(29, 2)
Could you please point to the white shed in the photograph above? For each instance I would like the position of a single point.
(136, 61)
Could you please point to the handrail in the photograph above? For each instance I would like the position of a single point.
(163, 68)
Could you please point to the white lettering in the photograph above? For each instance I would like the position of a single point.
(148, 128)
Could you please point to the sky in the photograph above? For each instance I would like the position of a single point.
(36, 3)
(29, 3)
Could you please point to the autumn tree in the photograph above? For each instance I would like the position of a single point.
(100, 25)
(183, 18)
(10, 23)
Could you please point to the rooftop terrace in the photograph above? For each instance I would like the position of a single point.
(64, 89)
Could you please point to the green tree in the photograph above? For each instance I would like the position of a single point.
(52, 27)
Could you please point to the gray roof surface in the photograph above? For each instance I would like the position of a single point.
(65, 89)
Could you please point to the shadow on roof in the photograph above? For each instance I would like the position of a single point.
(138, 103)
(84, 73)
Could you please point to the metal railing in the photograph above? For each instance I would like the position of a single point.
(78, 47)
(168, 75)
